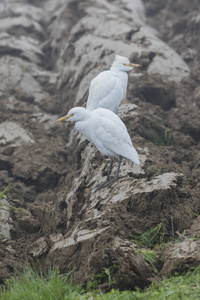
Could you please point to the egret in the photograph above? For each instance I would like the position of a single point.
(108, 88)
(5, 5)
(107, 132)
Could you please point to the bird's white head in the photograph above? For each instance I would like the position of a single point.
(122, 63)
(75, 114)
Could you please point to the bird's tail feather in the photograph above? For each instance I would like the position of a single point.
(133, 156)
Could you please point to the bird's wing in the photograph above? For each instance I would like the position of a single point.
(113, 137)
(105, 91)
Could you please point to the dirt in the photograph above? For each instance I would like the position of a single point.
(52, 214)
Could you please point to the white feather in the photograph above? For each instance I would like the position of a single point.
(106, 131)
(108, 88)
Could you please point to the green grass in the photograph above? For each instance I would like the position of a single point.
(149, 256)
(150, 242)
(107, 274)
(193, 213)
(185, 286)
(32, 286)
(164, 139)
(159, 171)
(4, 194)
(153, 237)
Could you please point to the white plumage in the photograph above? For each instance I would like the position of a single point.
(108, 88)
(106, 131)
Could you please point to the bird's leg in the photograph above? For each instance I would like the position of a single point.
(101, 185)
(109, 170)
(119, 165)
(108, 184)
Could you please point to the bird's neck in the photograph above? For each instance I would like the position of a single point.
(115, 69)
(122, 75)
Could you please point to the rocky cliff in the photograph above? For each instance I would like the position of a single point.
(49, 53)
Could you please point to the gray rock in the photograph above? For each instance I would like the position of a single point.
(180, 257)
(103, 33)
(9, 24)
(12, 132)
(5, 219)
(39, 247)
(98, 251)
(22, 46)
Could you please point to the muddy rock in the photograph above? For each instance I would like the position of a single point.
(100, 251)
(23, 47)
(183, 255)
(195, 228)
(39, 247)
(180, 258)
(10, 131)
(5, 219)
(28, 224)
(97, 220)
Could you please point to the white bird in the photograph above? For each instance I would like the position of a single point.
(108, 88)
(5, 6)
(107, 132)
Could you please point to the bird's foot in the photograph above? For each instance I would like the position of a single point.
(99, 186)
(107, 183)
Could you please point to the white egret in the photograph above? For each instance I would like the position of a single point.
(108, 88)
(107, 132)
(5, 5)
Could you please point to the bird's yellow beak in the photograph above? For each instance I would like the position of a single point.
(132, 65)
(64, 118)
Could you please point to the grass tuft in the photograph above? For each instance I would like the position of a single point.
(193, 213)
(165, 139)
(106, 275)
(31, 286)
(153, 237)
(149, 256)
(4, 194)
